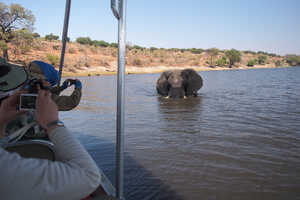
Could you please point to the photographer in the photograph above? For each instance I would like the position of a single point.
(45, 71)
(73, 176)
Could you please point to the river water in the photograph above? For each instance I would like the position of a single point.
(239, 139)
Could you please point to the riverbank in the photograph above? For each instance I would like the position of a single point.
(100, 70)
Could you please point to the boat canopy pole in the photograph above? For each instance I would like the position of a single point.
(119, 10)
(64, 38)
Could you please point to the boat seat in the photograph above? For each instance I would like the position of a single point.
(33, 149)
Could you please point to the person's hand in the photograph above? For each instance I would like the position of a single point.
(66, 83)
(75, 82)
(72, 81)
(46, 110)
(8, 108)
(78, 84)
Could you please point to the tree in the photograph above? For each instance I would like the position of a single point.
(100, 43)
(233, 56)
(12, 18)
(84, 40)
(212, 52)
(36, 35)
(221, 62)
(114, 45)
(251, 63)
(22, 41)
(262, 59)
(196, 51)
(51, 37)
(293, 60)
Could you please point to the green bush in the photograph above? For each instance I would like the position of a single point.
(250, 52)
(293, 60)
(114, 45)
(153, 48)
(262, 60)
(51, 37)
(84, 40)
(53, 59)
(138, 47)
(36, 35)
(196, 51)
(251, 63)
(100, 43)
(277, 63)
(23, 41)
(221, 62)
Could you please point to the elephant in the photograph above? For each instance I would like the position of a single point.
(179, 83)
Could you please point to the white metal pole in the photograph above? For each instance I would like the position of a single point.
(119, 10)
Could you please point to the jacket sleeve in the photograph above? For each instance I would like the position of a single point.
(74, 176)
(66, 103)
(57, 90)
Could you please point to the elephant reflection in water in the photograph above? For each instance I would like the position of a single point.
(179, 83)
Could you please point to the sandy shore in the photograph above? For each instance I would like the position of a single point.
(100, 70)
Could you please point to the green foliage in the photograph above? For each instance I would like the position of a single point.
(221, 62)
(293, 60)
(212, 52)
(251, 63)
(3, 45)
(153, 48)
(100, 43)
(138, 47)
(233, 56)
(51, 37)
(12, 18)
(22, 41)
(53, 59)
(84, 40)
(250, 52)
(277, 63)
(262, 59)
(196, 51)
(36, 35)
(114, 45)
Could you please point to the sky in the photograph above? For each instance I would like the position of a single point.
(257, 25)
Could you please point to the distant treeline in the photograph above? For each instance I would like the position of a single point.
(102, 43)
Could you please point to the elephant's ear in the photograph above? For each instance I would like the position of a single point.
(192, 81)
(162, 85)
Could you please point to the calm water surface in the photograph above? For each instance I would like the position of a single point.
(239, 139)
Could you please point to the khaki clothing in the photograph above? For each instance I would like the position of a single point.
(66, 103)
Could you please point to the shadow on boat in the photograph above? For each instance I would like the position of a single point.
(139, 183)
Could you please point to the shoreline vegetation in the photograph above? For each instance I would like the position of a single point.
(87, 57)
(83, 59)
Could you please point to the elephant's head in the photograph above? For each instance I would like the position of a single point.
(179, 83)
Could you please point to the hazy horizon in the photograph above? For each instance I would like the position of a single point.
(266, 25)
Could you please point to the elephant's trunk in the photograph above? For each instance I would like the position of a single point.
(177, 92)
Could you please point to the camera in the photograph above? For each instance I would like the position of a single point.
(27, 101)
(32, 86)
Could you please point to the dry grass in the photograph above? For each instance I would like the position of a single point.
(85, 59)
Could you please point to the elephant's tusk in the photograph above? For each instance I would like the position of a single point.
(185, 97)
(167, 97)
